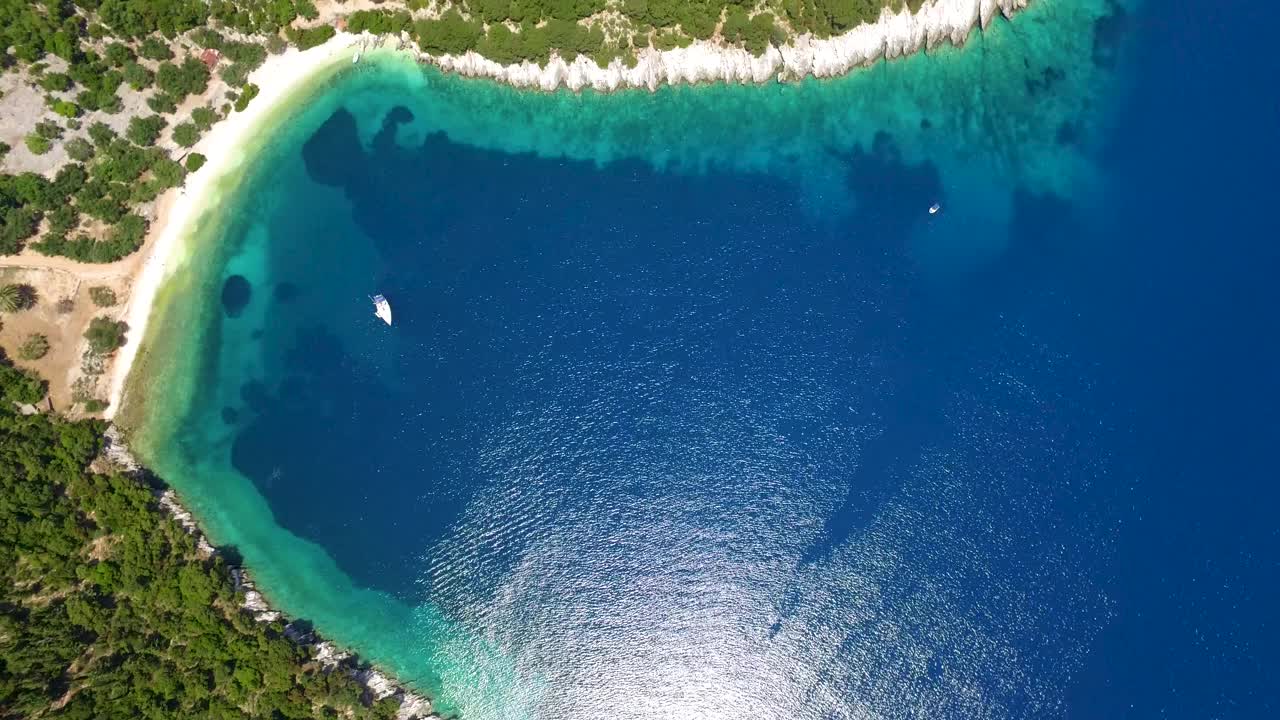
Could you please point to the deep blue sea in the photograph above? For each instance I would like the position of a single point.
(692, 410)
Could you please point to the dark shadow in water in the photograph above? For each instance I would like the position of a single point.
(236, 292)
(948, 332)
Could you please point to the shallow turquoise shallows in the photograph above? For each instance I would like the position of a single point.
(691, 409)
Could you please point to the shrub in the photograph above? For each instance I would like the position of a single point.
(168, 173)
(101, 134)
(102, 296)
(65, 306)
(138, 76)
(153, 49)
(66, 108)
(307, 38)
(249, 92)
(117, 55)
(55, 82)
(36, 347)
(162, 103)
(94, 405)
(79, 149)
(105, 335)
(49, 130)
(20, 386)
(38, 145)
(276, 45)
(9, 298)
(204, 117)
(186, 134)
(235, 74)
(195, 161)
(144, 130)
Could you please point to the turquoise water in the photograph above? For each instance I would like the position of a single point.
(691, 409)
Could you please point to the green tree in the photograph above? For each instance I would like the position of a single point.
(105, 335)
(137, 76)
(204, 117)
(66, 109)
(152, 48)
(37, 144)
(79, 149)
(195, 161)
(144, 131)
(186, 134)
(9, 298)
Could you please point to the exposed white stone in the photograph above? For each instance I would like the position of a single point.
(894, 34)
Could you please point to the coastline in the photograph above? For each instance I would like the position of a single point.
(892, 35)
(225, 149)
(230, 145)
(413, 706)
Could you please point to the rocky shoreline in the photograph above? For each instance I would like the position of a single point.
(892, 35)
(379, 685)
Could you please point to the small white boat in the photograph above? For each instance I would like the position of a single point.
(934, 208)
(382, 308)
(356, 59)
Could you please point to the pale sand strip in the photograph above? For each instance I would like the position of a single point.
(224, 147)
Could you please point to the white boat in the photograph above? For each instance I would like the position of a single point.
(356, 59)
(382, 308)
(934, 208)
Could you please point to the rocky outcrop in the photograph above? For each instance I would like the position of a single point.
(894, 34)
(378, 686)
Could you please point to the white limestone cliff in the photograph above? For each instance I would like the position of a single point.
(894, 34)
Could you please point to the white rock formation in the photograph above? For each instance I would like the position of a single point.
(894, 34)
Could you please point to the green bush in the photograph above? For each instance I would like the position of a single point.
(48, 130)
(152, 48)
(162, 103)
(144, 131)
(138, 77)
(118, 55)
(186, 134)
(79, 149)
(66, 109)
(35, 347)
(101, 134)
(249, 92)
(55, 82)
(204, 117)
(106, 335)
(102, 296)
(37, 145)
(18, 386)
(94, 405)
(307, 38)
(195, 161)
(10, 298)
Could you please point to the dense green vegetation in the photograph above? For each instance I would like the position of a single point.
(107, 609)
(18, 386)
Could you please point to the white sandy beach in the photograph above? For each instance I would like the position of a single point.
(224, 148)
(893, 35)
